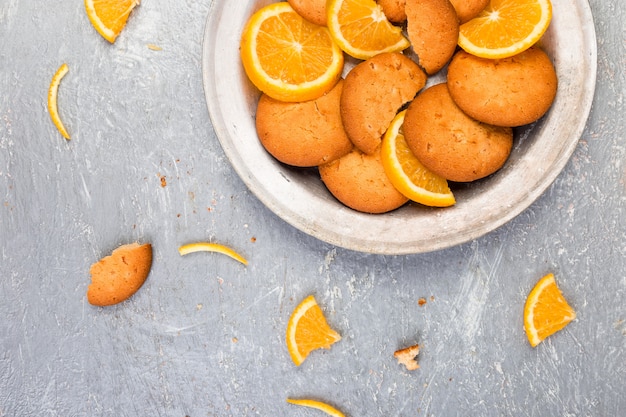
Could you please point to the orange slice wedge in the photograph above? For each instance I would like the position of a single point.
(53, 92)
(406, 172)
(287, 57)
(318, 405)
(109, 17)
(361, 28)
(505, 28)
(211, 247)
(546, 311)
(308, 330)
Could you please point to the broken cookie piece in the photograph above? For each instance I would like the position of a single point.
(408, 357)
(433, 29)
(117, 277)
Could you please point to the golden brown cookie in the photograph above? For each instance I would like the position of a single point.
(468, 9)
(450, 143)
(118, 276)
(312, 10)
(303, 134)
(408, 357)
(394, 10)
(373, 92)
(506, 92)
(358, 180)
(433, 29)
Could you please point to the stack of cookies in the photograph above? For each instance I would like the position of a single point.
(460, 129)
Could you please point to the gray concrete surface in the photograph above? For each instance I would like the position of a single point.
(205, 335)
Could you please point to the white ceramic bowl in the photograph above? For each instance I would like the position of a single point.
(298, 196)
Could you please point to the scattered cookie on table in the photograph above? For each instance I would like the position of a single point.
(408, 357)
(117, 277)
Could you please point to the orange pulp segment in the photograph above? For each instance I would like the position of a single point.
(307, 330)
(406, 172)
(505, 28)
(287, 57)
(546, 311)
(109, 17)
(361, 28)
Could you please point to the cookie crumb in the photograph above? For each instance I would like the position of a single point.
(408, 357)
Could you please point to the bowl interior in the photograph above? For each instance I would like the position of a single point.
(298, 196)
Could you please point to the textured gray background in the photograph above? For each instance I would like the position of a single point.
(205, 335)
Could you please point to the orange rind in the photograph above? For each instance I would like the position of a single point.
(211, 247)
(53, 91)
(318, 405)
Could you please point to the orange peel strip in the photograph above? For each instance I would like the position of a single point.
(211, 247)
(318, 405)
(53, 92)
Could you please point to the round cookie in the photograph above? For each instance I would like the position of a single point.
(450, 143)
(312, 10)
(374, 91)
(358, 180)
(466, 10)
(393, 10)
(433, 29)
(303, 134)
(506, 92)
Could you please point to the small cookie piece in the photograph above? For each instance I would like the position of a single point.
(117, 277)
(358, 180)
(505, 92)
(466, 10)
(407, 357)
(393, 10)
(373, 92)
(303, 134)
(312, 10)
(433, 29)
(450, 143)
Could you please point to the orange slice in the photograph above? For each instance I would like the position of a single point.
(506, 28)
(109, 16)
(288, 57)
(361, 28)
(53, 92)
(406, 172)
(546, 311)
(211, 247)
(308, 330)
(318, 405)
